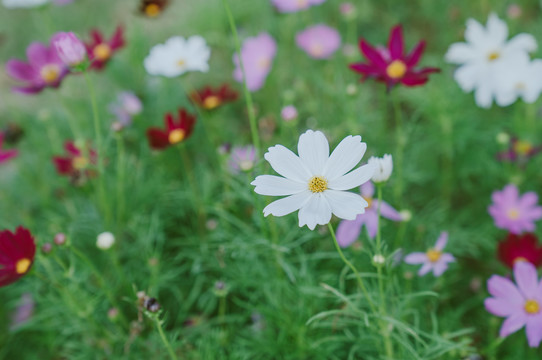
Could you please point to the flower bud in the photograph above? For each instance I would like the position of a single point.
(69, 48)
(383, 168)
(60, 239)
(288, 113)
(46, 248)
(105, 240)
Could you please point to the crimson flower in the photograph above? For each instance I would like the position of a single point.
(209, 98)
(76, 163)
(391, 65)
(100, 51)
(17, 252)
(520, 248)
(177, 130)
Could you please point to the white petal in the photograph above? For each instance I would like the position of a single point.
(466, 76)
(288, 204)
(522, 42)
(277, 186)
(497, 29)
(287, 164)
(345, 205)
(316, 211)
(354, 178)
(460, 53)
(475, 33)
(313, 150)
(483, 96)
(345, 156)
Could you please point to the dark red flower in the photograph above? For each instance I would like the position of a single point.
(5, 155)
(16, 254)
(391, 65)
(519, 151)
(520, 248)
(152, 8)
(100, 51)
(177, 130)
(209, 98)
(77, 163)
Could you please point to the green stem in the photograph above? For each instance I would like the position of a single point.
(400, 138)
(248, 96)
(222, 309)
(120, 177)
(196, 199)
(165, 340)
(352, 267)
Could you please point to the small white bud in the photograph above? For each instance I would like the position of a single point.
(105, 240)
(383, 168)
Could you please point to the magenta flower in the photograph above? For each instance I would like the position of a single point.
(257, 54)
(242, 158)
(5, 155)
(433, 259)
(70, 49)
(43, 69)
(319, 41)
(289, 6)
(520, 304)
(348, 230)
(513, 212)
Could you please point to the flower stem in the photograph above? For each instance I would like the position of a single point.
(120, 177)
(400, 138)
(164, 339)
(352, 267)
(196, 194)
(248, 96)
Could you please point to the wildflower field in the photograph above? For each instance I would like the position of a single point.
(271, 179)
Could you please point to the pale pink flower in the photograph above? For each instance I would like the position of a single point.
(319, 41)
(513, 212)
(433, 259)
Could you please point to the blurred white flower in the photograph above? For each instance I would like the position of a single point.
(315, 181)
(486, 53)
(12, 4)
(177, 56)
(524, 80)
(383, 167)
(378, 259)
(105, 240)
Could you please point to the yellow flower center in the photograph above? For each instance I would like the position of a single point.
(152, 10)
(317, 184)
(513, 214)
(102, 52)
(316, 50)
(532, 306)
(396, 69)
(520, 259)
(264, 63)
(494, 55)
(176, 136)
(22, 266)
(211, 102)
(181, 63)
(49, 73)
(245, 165)
(433, 255)
(79, 162)
(523, 147)
(369, 201)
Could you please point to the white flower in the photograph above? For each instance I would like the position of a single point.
(486, 53)
(383, 168)
(523, 80)
(12, 4)
(378, 259)
(177, 56)
(105, 240)
(315, 182)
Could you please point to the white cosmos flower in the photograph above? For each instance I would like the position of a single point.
(524, 80)
(485, 53)
(315, 181)
(177, 56)
(383, 168)
(23, 3)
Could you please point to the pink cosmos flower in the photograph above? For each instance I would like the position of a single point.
(5, 155)
(288, 113)
(43, 69)
(433, 259)
(519, 303)
(513, 212)
(124, 108)
(242, 158)
(70, 49)
(319, 41)
(348, 230)
(257, 54)
(289, 6)
(24, 311)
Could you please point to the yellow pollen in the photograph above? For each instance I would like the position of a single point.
(264, 63)
(181, 63)
(396, 69)
(22, 266)
(176, 136)
(317, 184)
(369, 201)
(513, 214)
(523, 147)
(245, 165)
(531, 307)
(520, 259)
(152, 10)
(521, 86)
(49, 73)
(492, 56)
(433, 255)
(102, 52)
(316, 50)
(79, 162)
(211, 102)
